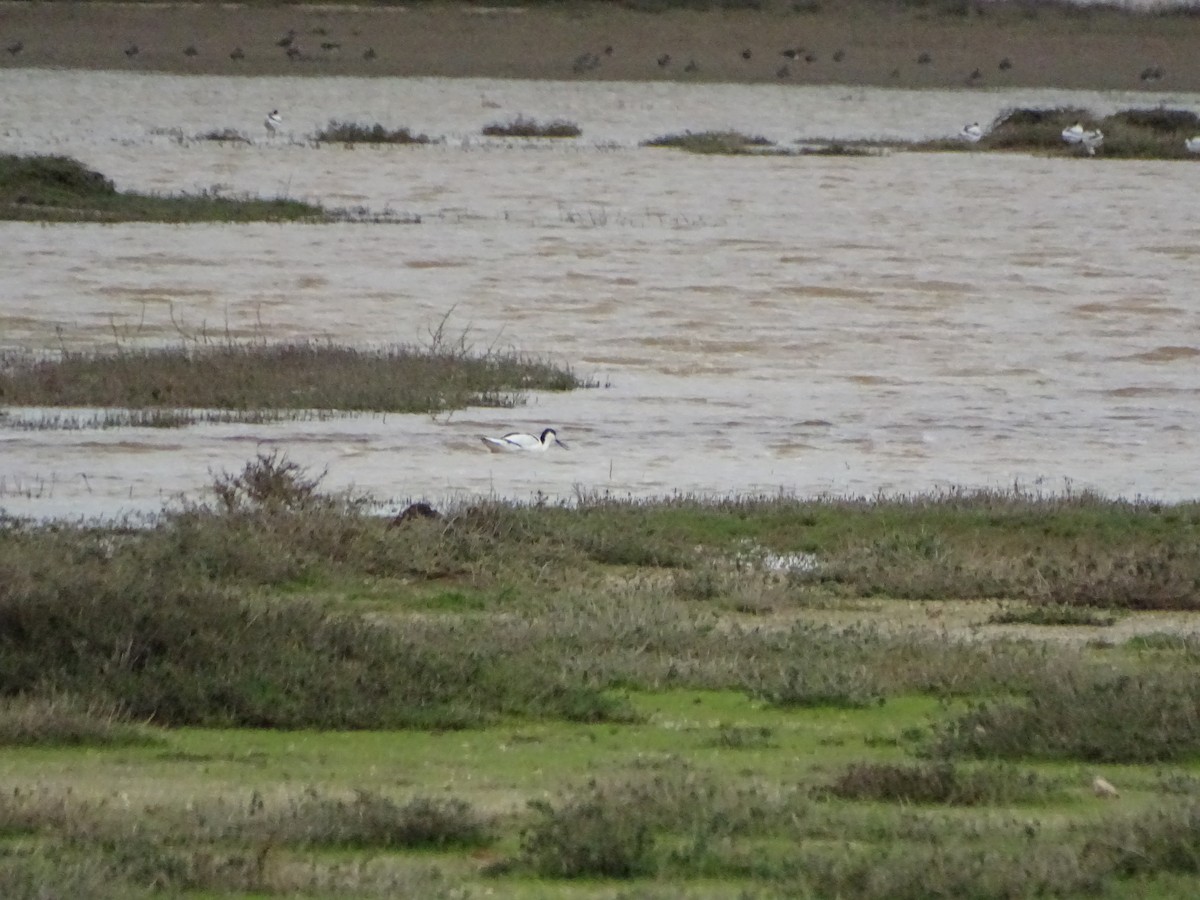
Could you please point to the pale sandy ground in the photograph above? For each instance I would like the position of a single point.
(877, 42)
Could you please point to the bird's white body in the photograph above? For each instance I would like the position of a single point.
(521, 441)
(273, 121)
(1192, 144)
(972, 133)
(1093, 140)
(1074, 134)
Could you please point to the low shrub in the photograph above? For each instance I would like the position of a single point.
(1051, 614)
(587, 838)
(1145, 718)
(372, 820)
(936, 782)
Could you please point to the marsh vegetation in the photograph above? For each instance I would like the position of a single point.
(355, 133)
(199, 380)
(688, 697)
(523, 127)
(61, 189)
(1140, 133)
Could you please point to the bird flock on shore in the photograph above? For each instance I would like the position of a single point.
(322, 47)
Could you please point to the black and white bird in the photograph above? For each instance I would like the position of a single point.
(518, 440)
(273, 121)
(972, 133)
(1074, 134)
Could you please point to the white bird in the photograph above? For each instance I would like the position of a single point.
(520, 441)
(272, 121)
(1092, 140)
(1192, 144)
(1074, 134)
(972, 133)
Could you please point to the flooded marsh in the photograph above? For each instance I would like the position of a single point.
(806, 324)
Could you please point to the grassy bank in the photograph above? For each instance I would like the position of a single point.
(679, 697)
(175, 386)
(61, 189)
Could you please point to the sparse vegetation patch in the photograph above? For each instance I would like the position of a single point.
(719, 142)
(521, 127)
(354, 133)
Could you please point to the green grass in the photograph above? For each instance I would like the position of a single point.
(543, 809)
(609, 698)
(171, 386)
(60, 189)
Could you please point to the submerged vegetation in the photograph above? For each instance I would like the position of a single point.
(61, 189)
(354, 133)
(674, 693)
(171, 386)
(521, 127)
(730, 143)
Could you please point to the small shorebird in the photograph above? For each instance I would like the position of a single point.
(972, 133)
(1092, 140)
(1192, 145)
(521, 441)
(1074, 134)
(272, 121)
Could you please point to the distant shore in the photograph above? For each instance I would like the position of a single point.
(856, 42)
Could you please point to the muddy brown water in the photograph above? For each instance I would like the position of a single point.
(806, 324)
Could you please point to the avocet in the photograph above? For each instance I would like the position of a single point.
(518, 440)
(1074, 134)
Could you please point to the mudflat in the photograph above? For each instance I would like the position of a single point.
(935, 43)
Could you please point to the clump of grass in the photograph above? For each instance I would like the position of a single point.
(372, 820)
(587, 838)
(521, 127)
(936, 782)
(64, 720)
(1051, 614)
(61, 189)
(716, 142)
(289, 376)
(1144, 718)
(354, 133)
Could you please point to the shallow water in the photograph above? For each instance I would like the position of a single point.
(804, 324)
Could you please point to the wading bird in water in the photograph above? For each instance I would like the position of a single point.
(521, 441)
